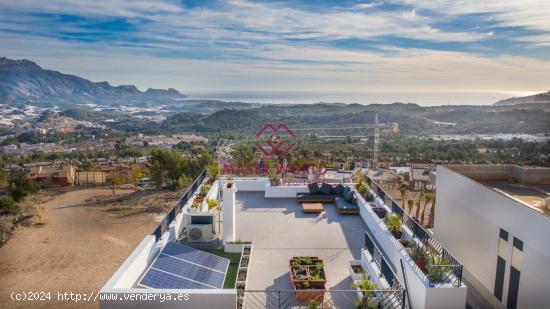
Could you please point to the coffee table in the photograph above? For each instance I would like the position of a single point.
(313, 208)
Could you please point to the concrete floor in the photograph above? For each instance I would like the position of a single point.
(280, 230)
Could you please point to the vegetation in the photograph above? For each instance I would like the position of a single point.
(393, 222)
(438, 269)
(169, 168)
(366, 287)
(19, 186)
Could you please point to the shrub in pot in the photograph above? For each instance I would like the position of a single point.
(438, 267)
(419, 256)
(393, 222)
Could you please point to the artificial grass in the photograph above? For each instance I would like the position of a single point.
(233, 268)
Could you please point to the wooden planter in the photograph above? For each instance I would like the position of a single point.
(315, 292)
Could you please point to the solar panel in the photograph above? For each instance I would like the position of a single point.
(184, 267)
(196, 256)
(160, 280)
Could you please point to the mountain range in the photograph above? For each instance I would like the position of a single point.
(25, 82)
(536, 98)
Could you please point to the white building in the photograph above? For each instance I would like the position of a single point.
(494, 219)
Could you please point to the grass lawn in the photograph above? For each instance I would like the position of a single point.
(231, 275)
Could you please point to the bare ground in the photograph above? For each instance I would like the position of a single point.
(84, 238)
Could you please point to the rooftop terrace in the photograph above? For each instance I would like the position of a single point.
(279, 230)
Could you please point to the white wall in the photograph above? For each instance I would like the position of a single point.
(283, 191)
(468, 218)
(244, 185)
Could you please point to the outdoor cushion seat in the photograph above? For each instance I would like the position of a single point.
(314, 188)
(326, 188)
(345, 207)
(319, 198)
(339, 189)
(348, 196)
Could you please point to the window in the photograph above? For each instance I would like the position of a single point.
(501, 264)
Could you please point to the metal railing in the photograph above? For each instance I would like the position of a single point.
(252, 299)
(177, 208)
(452, 268)
(386, 270)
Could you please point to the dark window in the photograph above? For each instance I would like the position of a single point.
(518, 244)
(513, 288)
(499, 279)
(503, 234)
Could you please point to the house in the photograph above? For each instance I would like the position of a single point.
(270, 230)
(496, 220)
(52, 175)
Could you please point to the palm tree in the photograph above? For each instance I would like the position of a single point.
(421, 196)
(427, 199)
(403, 192)
(431, 217)
(367, 288)
(410, 204)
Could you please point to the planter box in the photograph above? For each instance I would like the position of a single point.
(355, 276)
(314, 293)
(233, 247)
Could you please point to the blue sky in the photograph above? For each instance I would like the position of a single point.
(437, 49)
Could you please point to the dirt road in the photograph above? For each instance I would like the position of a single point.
(77, 250)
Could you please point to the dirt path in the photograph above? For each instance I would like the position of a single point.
(77, 250)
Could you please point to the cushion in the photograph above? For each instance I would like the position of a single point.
(326, 188)
(346, 190)
(314, 188)
(348, 196)
(339, 190)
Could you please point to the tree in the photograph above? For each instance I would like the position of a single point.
(427, 199)
(410, 204)
(421, 196)
(117, 181)
(213, 171)
(431, 217)
(167, 167)
(403, 192)
(367, 288)
(19, 186)
(242, 155)
(8, 206)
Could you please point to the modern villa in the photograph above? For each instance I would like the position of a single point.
(496, 220)
(347, 245)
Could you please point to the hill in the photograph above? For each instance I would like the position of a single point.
(536, 98)
(23, 81)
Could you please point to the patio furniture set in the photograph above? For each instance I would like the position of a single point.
(342, 196)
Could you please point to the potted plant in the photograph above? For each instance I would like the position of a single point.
(317, 273)
(309, 291)
(194, 207)
(438, 268)
(246, 250)
(393, 222)
(244, 261)
(299, 273)
(419, 256)
(356, 270)
(204, 189)
(366, 289)
(242, 275)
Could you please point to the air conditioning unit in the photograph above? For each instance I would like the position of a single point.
(199, 233)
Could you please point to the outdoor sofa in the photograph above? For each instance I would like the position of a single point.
(342, 196)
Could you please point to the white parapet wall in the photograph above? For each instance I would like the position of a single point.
(249, 184)
(283, 191)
